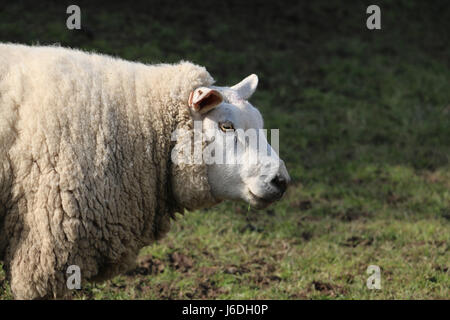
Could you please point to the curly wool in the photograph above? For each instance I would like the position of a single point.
(85, 171)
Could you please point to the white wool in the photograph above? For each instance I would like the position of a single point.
(85, 172)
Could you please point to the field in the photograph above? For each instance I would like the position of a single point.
(364, 119)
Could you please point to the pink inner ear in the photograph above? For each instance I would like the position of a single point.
(206, 102)
(211, 99)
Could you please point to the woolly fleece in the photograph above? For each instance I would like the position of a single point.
(85, 171)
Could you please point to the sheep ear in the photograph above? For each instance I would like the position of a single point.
(204, 99)
(246, 87)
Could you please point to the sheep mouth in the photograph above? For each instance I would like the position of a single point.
(259, 202)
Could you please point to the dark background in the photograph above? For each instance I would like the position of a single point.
(364, 129)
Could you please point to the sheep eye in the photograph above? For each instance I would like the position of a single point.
(226, 126)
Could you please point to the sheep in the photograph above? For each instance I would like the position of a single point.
(86, 176)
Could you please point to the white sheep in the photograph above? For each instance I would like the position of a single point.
(86, 176)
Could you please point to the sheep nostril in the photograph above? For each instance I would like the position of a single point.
(280, 183)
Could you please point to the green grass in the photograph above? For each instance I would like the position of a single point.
(364, 119)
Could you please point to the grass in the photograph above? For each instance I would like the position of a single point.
(364, 120)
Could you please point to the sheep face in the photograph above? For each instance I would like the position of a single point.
(241, 164)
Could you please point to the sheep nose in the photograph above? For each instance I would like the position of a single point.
(280, 182)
